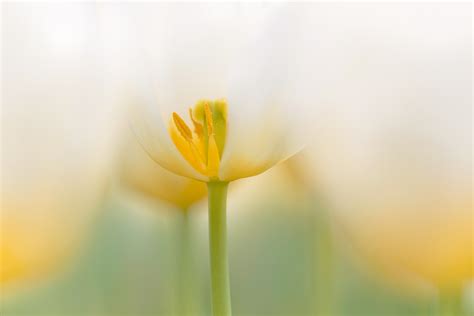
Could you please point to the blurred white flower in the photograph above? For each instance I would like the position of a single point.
(57, 134)
(393, 145)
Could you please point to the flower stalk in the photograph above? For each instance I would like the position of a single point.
(450, 304)
(323, 262)
(186, 285)
(220, 289)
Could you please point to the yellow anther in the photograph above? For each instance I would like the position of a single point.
(202, 148)
(197, 125)
(209, 121)
(182, 127)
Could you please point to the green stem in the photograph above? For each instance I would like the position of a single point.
(185, 293)
(218, 249)
(450, 304)
(322, 262)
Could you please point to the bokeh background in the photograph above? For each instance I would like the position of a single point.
(373, 217)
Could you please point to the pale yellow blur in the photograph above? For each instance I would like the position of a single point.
(140, 173)
(405, 208)
(414, 232)
(32, 245)
(437, 249)
(42, 223)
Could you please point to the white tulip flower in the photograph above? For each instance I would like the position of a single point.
(221, 87)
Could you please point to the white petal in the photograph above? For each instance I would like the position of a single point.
(150, 128)
(130, 83)
(264, 98)
(187, 49)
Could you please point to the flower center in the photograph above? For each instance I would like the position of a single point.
(202, 147)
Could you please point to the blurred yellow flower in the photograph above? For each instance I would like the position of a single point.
(140, 173)
(429, 249)
(33, 244)
(24, 256)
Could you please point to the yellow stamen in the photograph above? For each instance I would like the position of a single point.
(182, 127)
(203, 147)
(208, 114)
(197, 125)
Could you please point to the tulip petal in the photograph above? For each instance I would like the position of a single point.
(187, 49)
(185, 54)
(151, 133)
(265, 92)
